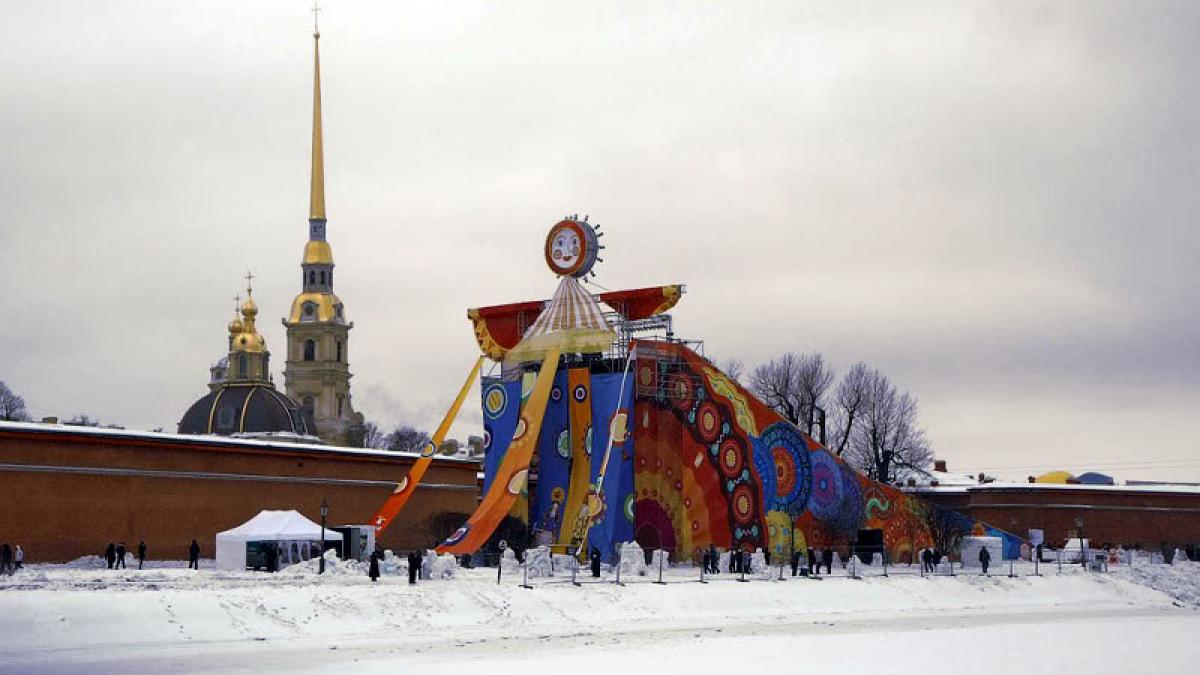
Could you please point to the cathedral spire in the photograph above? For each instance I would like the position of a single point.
(316, 200)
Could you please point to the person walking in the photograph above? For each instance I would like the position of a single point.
(827, 558)
(194, 556)
(713, 558)
(19, 558)
(120, 556)
(141, 554)
(595, 562)
(373, 570)
(110, 555)
(5, 559)
(414, 566)
(795, 562)
(985, 557)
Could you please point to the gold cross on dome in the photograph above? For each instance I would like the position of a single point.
(316, 9)
(249, 278)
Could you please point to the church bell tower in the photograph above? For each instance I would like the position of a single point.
(317, 372)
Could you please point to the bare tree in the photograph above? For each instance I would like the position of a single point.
(373, 436)
(887, 443)
(946, 527)
(847, 406)
(735, 369)
(794, 385)
(83, 420)
(12, 406)
(407, 439)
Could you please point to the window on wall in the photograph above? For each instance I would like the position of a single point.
(339, 351)
(310, 312)
(340, 400)
(310, 350)
(312, 277)
(322, 276)
(243, 366)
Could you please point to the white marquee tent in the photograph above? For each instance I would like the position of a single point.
(294, 534)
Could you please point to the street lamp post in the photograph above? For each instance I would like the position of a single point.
(1082, 546)
(324, 515)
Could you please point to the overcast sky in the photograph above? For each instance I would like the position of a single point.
(993, 202)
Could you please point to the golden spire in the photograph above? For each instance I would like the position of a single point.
(316, 201)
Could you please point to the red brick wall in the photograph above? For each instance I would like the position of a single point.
(61, 509)
(1112, 516)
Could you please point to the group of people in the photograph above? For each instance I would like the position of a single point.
(739, 561)
(114, 555)
(11, 560)
(414, 565)
(930, 558)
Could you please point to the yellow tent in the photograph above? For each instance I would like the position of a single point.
(1060, 477)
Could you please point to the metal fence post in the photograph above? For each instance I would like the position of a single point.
(525, 574)
(661, 554)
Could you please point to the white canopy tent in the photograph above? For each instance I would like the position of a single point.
(290, 530)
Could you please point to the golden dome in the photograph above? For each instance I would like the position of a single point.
(325, 308)
(249, 309)
(318, 253)
(235, 326)
(249, 342)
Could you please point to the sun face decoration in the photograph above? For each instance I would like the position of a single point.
(571, 248)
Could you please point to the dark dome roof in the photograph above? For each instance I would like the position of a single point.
(246, 408)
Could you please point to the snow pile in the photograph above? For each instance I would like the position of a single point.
(436, 566)
(633, 559)
(334, 566)
(1180, 580)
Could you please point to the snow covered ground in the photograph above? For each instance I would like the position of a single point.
(169, 619)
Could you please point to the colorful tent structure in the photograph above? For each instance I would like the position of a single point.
(602, 427)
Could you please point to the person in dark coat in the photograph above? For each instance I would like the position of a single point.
(194, 556)
(272, 558)
(811, 561)
(373, 570)
(795, 562)
(414, 566)
(595, 562)
(827, 559)
(985, 557)
(926, 557)
(6, 559)
(713, 558)
(704, 560)
(110, 555)
(120, 556)
(141, 554)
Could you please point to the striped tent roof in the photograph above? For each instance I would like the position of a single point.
(572, 321)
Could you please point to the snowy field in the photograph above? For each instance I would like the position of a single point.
(169, 619)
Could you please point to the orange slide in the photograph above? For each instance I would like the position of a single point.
(408, 484)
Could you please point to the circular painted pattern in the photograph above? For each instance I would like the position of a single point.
(401, 486)
(618, 427)
(520, 430)
(680, 388)
(556, 393)
(459, 535)
(743, 505)
(785, 471)
(629, 510)
(428, 450)
(564, 443)
(826, 497)
(708, 421)
(495, 399)
(580, 393)
(645, 376)
(517, 482)
(487, 438)
(730, 458)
